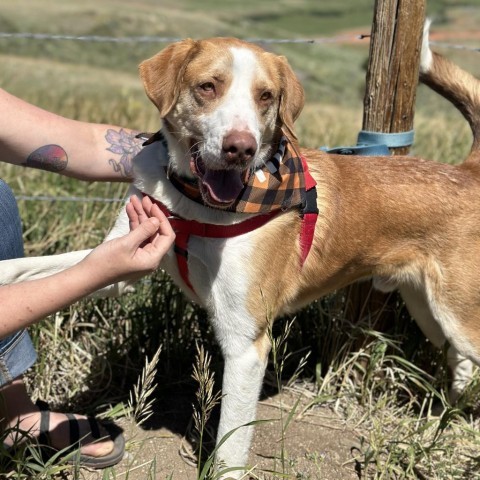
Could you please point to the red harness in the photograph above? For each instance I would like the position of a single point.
(184, 228)
(309, 215)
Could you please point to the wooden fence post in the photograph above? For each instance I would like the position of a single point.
(392, 73)
(389, 103)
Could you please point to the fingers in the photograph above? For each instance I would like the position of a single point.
(165, 228)
(132, 216)
(142, 249)
(142, 212)
(134, 211)
(152, 226)
(144, 231)
(153, 210)
(138, 210)
(147, 204)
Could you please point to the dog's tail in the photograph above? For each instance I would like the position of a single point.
(456, 85)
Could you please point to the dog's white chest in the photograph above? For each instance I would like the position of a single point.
(218, 268)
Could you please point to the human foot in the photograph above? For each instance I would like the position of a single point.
(57, 428)
(101, 446)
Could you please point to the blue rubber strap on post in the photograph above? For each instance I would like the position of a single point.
(374, 144)
(392, 140)
(364, 150)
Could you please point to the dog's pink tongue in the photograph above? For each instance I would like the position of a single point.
(224, 186)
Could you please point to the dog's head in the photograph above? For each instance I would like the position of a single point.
(224, 103)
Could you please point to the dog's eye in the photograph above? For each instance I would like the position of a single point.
(266, 96)
(207, 87)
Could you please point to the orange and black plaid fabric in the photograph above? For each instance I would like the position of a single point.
(279, 185)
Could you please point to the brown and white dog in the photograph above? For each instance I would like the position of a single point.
(408, 223)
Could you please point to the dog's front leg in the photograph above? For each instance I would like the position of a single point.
(242, 381)
(30, 268)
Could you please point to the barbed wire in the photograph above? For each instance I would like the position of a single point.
(87, 38)
(48, 198)
(455, 46)
(158, 39)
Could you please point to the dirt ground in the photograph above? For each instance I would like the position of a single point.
(317, 445)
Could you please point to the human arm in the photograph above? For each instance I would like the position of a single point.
(133, 255)
(33, 137)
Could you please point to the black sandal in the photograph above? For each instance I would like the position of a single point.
(72, 453)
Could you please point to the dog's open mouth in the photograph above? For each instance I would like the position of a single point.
(219, 188)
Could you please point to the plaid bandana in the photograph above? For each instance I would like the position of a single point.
(279, 185)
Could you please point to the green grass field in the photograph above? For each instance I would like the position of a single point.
(104, 342)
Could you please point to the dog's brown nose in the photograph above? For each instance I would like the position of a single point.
(239, 147)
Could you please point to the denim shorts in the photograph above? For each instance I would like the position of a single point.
(16, 351)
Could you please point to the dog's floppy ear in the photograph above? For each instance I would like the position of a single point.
(162, 74)
(292, 99)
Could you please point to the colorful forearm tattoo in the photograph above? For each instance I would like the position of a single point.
(125, 145)
(52, 158)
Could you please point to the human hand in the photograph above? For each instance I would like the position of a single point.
(140, 251)
(141, 214)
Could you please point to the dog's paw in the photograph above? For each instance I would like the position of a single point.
(114, 290)
(127, 288)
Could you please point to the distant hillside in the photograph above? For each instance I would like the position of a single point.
(326, 70)
(98, 81)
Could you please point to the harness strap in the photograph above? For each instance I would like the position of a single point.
(181, 252)
(309, 214)
(184, 228)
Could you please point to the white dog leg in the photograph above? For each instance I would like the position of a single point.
(461, 371)
(242, 382)
(31, 268)
(461, 368)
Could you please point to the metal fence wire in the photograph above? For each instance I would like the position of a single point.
(158, 39)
